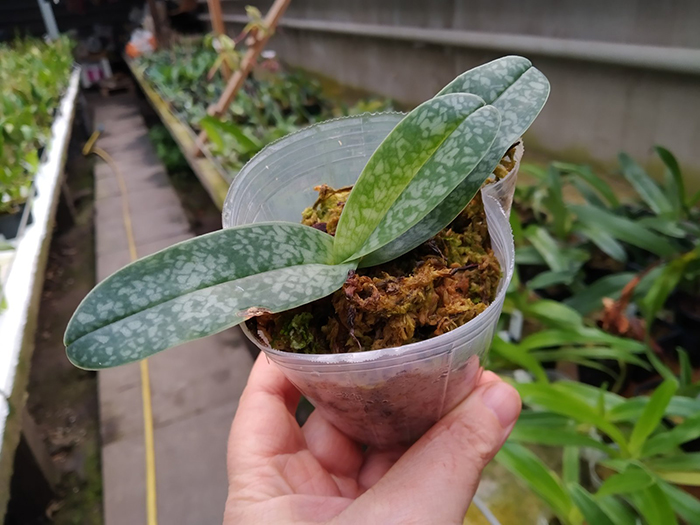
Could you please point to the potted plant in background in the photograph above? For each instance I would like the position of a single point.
(411, 178)
(33, 77)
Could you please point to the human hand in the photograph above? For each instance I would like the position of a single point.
(282, 473)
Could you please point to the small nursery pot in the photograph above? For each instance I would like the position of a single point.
(378, 397)
(11, 222)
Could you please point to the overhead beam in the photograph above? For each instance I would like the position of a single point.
(658, 58)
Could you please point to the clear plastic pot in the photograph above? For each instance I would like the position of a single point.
(379, 397)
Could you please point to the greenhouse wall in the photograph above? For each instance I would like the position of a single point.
(625, 74)
(24, 16)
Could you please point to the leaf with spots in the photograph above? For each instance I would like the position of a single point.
(419, 163)
(519, 91)
(200, 287)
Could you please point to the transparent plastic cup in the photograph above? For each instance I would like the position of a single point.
(379, 397)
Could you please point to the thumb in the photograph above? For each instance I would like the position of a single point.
(435, 480)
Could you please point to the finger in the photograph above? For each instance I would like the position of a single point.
(335, 451)
(488, 377)
(264, 425)
(377, 463)
(266, 377)
(435, 480)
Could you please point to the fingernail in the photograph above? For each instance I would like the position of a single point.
(503, 400)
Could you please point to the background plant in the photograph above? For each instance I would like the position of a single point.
(271, 104)
(596, 286)
(33, 77)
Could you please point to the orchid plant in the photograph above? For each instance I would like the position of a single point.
(417, 181)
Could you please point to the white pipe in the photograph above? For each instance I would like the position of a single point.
(675, 59)
(49, 19)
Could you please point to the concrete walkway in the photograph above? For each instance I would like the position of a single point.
(195, 387)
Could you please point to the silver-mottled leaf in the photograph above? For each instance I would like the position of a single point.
(203, 312)
(451, 162)
(518, 91)
(395, 163)
(195, 264)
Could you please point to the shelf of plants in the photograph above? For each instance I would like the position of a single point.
(182, 82)
(38, 93)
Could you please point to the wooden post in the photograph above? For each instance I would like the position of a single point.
(153, 9)
(238, 78)
(217, 25)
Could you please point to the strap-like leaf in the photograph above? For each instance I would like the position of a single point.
(631, 480)
(654, 505)
(590, 508)
(624, 229)
(416, 158)
(676, 191)
(591, 297)
(647, 188)
(651, 416)
(538, 477)
(519, 91)
(199, 287)
(683, 503)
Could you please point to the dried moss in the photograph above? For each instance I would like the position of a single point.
(433, 289)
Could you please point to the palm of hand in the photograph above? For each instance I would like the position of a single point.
(282, 473)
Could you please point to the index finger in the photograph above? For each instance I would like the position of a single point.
(264, 425)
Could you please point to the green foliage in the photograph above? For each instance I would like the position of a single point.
(272, 103)
(640, 468)
(656, 233)
(204, 285)
(33, 78)
(167, 150)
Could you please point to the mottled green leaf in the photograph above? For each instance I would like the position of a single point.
(453, 160)
(423, 158)
(199, 287)
(519, 91)
(645, 186)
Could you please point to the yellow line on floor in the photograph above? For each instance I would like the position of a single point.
(149, 441)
